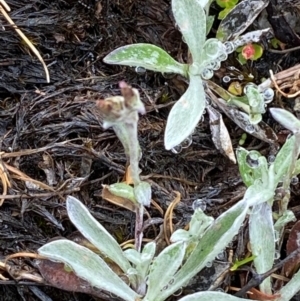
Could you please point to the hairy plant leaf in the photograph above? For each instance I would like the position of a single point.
(262, 241)
(290, 289)
(162, 270)
(190, 17)
(122, 190)
(197, 227)
(240, 18)
(214, 240)
(145, 55)
(185, 114)
(118, 200)
(211, 296)
(92, 230)
(88, 266)
(287, 119)
(283, 160)
(142, 193)
(252, 166)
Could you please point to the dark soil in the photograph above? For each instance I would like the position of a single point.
(53, 134)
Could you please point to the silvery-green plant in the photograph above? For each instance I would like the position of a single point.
(121, 113)
(265, 233)
(192, 19)
(155, 277)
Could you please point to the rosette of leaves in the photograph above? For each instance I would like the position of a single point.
(191, 18)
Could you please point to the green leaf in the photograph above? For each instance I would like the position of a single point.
(227, 3)
(185, 114)
(163, 269)
(142, 193)
(286, 119)
(290, 289)
(93, 231)
(283, 160)
(147, 256)
(262, 241)
(250, 173)
(214, 240)
(142, 260)
(123, 190)
(148, 56)
(211, 296)
(88, 266)
(199, 223)
(190, 17)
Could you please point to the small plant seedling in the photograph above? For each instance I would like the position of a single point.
(191, 18)
(227, 6)
(121, 113)
(207, 54)
(250, 51)
(153, 278)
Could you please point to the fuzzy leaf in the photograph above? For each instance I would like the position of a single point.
(142, 193)
(88, 266)
(214, 240)
(283, 160)
(92, 230)
(262, 240)
(286, 119)
(211, 296)
(144, 55)
(290, 289)
(185, 114)
(163, 269)
(123, 190)
(190, 17)
(252, 166)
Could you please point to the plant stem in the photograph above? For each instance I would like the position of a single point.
(139, 227)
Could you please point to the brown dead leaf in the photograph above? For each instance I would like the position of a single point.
(220, 133)
(293, 244)
(257, 295)
(56, 275)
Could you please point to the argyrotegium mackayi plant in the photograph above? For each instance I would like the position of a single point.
(192, 18)
(207, 55)
(121, 113)
(155, 278)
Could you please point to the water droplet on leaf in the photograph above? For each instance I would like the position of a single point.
(207, 73)
(199, 204)
(229, 46)
(177, 149)
(140, 70)
(276, 255)
(253, 159)
(187, 142)
(221, 256)
(209, 264)
(294, 180)
(268, 95)
(271, 158)
(226, 79)
(249, 128)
